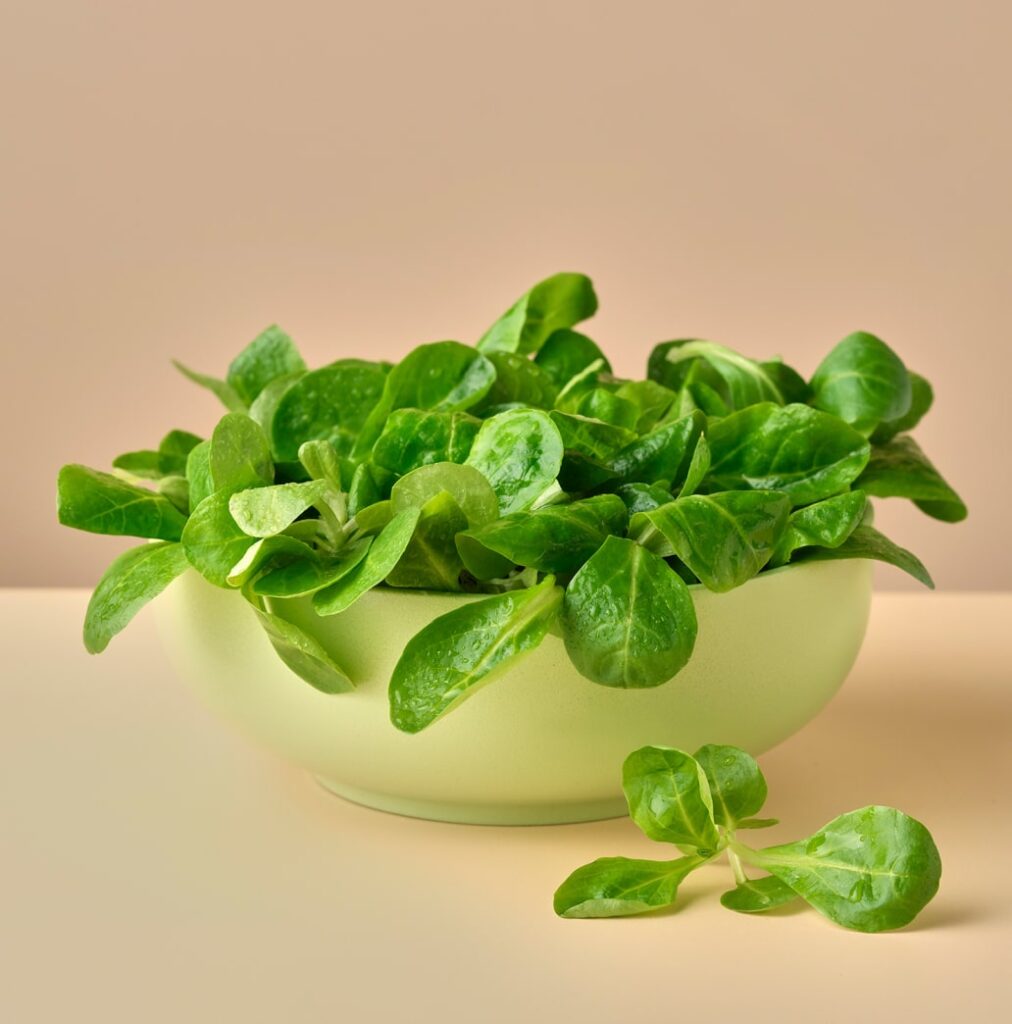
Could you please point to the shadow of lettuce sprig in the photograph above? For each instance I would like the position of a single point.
(869, 870)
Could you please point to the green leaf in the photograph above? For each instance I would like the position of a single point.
(267, 357)
(557, 302)
(223, 391)
(556, 539)
(669, 798)
(899, 469)
(329, 404)
(151, 465)
(872, 870)
(470, 490)
(566, 353)
(418, 437)
(102, 503)
(265, 405)
(725, 538)
(382, 556)
(643, 497)
(457, 653)
(519, 380)
(212, 539)
(239, 456)
(620, 886)
(754, 896)
(737, 785)
(307, 575)
(369, 486)
(265, 511)
(627, 619)
(758, 823)
(519, 453)
(826, 524)
(664, 454)
(430, 561)
(177, 490)
(921, 397)
(133, 579)
(589, 437)
(198, 473)
(791, 385)
(867, 542)
(603, 404)
(321, 462)
(745, 381)
(699, 466)
(652, 401)
(303, 654)
(266, 554)
(808, 454)
(863, 382)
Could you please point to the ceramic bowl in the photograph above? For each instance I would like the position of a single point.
(540, 744)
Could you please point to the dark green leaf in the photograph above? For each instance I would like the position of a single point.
(267, 357)
(240, 455)
(745, 381)
(177, 490)
(430, 561)
(699, 466)
(643, 497)
(133, 579)
(662, 455)
(557, 538)
(652, 400)
(369, 485)
(758, 895)
(178, 442)
(102, 503)
(608, 406)
(737, 785)
(863, 382)
(519, 453)
(669, 798)
(627, 619)
(457, 653)
(619, 886)
(872, 870)
(382, 556)
(867, 542)
(520, 381)
(309, 574)
(565, 353)
(791, 385)
(724, 538)
(265, 555)
(198, 473)
(417, 437)
(826, 524)
(808, 454)
(899, 469)
(557, 302)
(921, 397)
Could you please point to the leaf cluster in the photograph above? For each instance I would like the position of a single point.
(523, 471)
(870, 870)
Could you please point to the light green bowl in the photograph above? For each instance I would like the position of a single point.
(540, 744)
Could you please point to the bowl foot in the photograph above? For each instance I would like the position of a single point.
(481, 814)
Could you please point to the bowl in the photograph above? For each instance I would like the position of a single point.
(540, 744)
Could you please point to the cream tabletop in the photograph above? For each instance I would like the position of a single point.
(157, 867)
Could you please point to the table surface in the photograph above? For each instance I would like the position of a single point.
(158, 867)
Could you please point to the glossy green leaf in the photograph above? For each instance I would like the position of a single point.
(921, 398)
(863, 382)
(430, 561)
(266, 554)
(791, 385)
(373, 518)
(418, 437)
(627, 619)
(264, 511)
(664, 454)
(321, 461)
(212, 539)
(566, 353)
(310, 573)
(133, 579)
(178, 442)
(827, 524)
(642, 497)
(620, 886)
(592, 438)
(737, 785)
(724, 538)
(177, 490)
(806, 453)
(520, 454)
(745, 381)
(748, 823)
(465, 484)
(557, 538)
(899, 469)
(102, 503)
(459, 652)
(755, 896)
(369, 485)
(867, 542)
(223, 391)
(608, 406)
(699, 466)
(669, 798)
(265, 405)
(329, 404)
(151, 465)
(240, 455)
(652, 401)
(382, 556)
(270, 355)
(872, 870)
(559, 301)
(519, 380)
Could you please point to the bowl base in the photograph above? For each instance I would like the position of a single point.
(481, 814)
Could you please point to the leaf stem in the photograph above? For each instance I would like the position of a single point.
(734, 860)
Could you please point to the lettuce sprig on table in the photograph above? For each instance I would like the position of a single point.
(523, 470)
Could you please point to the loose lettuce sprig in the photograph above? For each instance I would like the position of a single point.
(870, 870)
(524, 472)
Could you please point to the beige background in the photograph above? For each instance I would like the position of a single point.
(770, 175)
